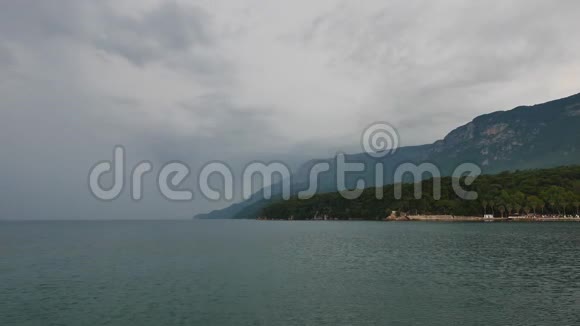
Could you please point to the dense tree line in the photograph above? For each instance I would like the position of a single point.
(549, 191)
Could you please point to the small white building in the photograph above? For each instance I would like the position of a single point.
(488, 216)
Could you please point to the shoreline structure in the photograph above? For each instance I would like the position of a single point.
(446, 218)
(451, 218)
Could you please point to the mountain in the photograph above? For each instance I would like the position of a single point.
(544, 135)
(527, 137)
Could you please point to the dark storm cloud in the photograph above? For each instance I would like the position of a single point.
(169, 27)
(30, 20)
(162, 33)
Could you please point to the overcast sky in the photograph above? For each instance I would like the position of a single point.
(252, 79)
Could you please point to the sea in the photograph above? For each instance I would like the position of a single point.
(231, 272)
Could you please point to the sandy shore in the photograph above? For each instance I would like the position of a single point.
(445, 218)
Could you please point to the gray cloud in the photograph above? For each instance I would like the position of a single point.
(33, 21)
(432, 59)
(6, 57)
(165, 29)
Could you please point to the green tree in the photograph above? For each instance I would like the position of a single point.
(535, 203)
(567, 200)
(519, 200)
(501, 209)
(484, 204)
(492, 206)
(527, 210)
(553, 196)
(506, 201)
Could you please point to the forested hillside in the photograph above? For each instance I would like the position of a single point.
(547, 191)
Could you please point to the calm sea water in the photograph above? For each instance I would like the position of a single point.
(288, 273)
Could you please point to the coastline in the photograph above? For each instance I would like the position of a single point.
(435, 218)
(444, 218)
